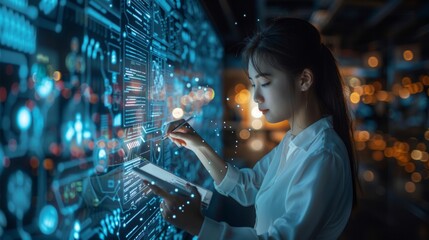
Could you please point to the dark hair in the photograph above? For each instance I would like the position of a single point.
(293, 45)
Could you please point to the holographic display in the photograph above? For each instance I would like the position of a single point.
(86, 88)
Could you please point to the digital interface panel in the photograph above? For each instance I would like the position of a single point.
(86, 87)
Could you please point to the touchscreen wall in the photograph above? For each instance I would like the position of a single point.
(86, 88)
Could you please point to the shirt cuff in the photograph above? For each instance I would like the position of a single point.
(229, 181)
(210, 229)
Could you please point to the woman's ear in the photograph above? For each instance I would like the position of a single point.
(306, 80)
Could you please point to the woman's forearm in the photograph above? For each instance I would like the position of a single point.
(215, 165)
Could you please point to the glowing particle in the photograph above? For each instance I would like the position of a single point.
(23, 118)
(174, 216)
(76, 226)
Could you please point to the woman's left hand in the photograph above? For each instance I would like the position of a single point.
(182, 212)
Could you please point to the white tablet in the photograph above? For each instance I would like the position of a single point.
(170, 182)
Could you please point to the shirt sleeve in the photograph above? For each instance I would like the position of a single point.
(308, 205)
(243, 184)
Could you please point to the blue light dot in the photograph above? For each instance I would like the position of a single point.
(77, 226)
(102, 154)
(23, 118)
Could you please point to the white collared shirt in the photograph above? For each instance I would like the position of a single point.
(302, 189)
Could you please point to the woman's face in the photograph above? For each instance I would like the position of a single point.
(272, 91)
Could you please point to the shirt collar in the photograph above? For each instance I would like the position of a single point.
(304, 139)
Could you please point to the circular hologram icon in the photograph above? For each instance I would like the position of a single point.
(48, 219)
(19, 194)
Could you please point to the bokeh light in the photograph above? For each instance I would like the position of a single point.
(177, 113)
(408, 55)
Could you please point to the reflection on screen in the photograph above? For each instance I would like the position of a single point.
(86, 86)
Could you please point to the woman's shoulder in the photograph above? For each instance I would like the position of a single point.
(328, 142)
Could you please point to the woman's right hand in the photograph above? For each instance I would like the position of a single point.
(186, 136)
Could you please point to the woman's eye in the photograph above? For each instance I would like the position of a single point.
(265, 84)
(252, 85)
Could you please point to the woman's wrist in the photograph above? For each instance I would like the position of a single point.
(197, 225)
(200, 146)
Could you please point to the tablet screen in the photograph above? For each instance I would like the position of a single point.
(170, 182)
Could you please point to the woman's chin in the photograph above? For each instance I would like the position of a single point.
(272, 119)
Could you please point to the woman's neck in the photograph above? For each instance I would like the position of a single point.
(306, 116)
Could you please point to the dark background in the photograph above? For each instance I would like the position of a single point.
(390, 109)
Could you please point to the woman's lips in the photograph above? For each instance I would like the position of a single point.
(263, 111)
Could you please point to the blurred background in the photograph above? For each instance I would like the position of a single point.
(382, 50)
(88, 86)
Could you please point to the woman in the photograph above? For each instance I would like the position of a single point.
(305, 187)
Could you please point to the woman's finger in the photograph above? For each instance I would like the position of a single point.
(164, 210)
(175, 141)
(157, 190)
(194, 191)
(165, 206)
(181, 136)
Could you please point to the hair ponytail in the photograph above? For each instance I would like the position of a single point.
(330, 90)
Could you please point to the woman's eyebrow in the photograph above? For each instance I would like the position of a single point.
(261, 75)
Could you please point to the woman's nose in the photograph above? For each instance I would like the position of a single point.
(257, 97)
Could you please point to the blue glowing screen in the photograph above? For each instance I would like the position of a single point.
(86, 88)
